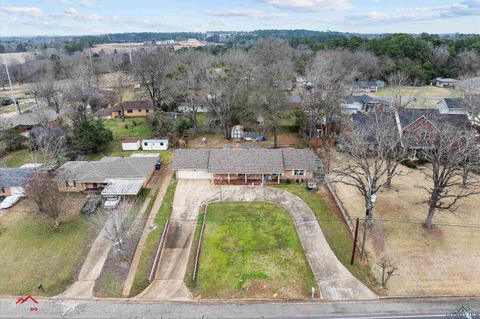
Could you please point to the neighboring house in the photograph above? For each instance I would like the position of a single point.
(26, 121)
(155, 145)
(131, 145)
(294, 101)
(133, 109)
(246, 166)
(14, 180)
(423, 124)
(363, 104)
(365, 86)
(110, 175)
(451, 106)
(444, 82)
(185, 108)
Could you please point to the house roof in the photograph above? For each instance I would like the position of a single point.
(137, 105)
(245, 161)
(409, 116)
(32, 118)
(364, 99)
(190, 159)
(445, 80)
(15, 177)
(123, 187)
(454, 103)
(107, 168)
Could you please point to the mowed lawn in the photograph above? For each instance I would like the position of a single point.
(31, 253)
(251, 250)
(134, 127)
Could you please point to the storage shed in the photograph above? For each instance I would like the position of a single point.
(130, 145)
(155, 145)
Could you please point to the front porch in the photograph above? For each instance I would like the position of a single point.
(246, 179)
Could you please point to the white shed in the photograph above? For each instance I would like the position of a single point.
(130, 145)
(155, 145)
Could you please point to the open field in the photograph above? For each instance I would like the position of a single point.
(32, 253)
(22, 94)
(140, 281)
(334, 229)
(251, 250)
(421, 97)
(442, 261)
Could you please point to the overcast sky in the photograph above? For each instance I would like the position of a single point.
(75, 17)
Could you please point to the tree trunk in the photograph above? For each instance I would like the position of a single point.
(465, 177)
(274, 131)
(429, 220)
(388, 183)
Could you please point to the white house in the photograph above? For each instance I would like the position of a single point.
(185, 108)
(131, 145)
(155, 145)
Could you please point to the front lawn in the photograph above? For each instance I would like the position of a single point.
(132, 127)
(115, 149)
(32, 253)
(140, 281)
(20, 157)
(334, 229)
(250, 250)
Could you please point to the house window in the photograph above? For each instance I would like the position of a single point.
(145, 144)
(146, 111)
(425, 135)
(298, 172)
(161, 143)
(3, 189)
(129, 111)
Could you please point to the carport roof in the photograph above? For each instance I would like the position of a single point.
(123, 187)
(190, 159)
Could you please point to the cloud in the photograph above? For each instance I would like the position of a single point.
(309, 5)
(71, 10)
(94, 17)
(220, 23)
(25, 11)
(248, 13)
(87, 4)
(422, 14)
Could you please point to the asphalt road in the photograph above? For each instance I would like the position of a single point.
(124, 308)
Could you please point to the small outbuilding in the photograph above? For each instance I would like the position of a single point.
(131, 145)
(155, 145)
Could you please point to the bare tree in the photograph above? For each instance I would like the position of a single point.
(321, 100)
(468, 63)
(116, 227)
(400, 96)
(447, 152)
(439, 55)
(469, 91)
(225, 86)
(120, 82)
(153, 68)
(272, 61)
(49, 142)
(368, 147)
(44, 192)
(388, 269)
(48, 91)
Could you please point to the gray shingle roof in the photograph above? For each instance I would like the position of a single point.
(242, 161)
(454, 103)
(15, 177)
(190, 159)
(459, 121)
(107, 168)
(245, 161)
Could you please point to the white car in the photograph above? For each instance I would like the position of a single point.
(9, 201)
(112, 202)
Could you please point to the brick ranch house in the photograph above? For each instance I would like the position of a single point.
(246, 166)
(130, 109)
(110, 175)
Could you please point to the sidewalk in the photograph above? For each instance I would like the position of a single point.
(164, 181)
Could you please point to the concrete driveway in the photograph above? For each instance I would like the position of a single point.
(334, 280)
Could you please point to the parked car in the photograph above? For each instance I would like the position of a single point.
(9, 201)
(112, 202)
(91, 205)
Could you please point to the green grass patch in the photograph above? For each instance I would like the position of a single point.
(140, 281)
(334, 229)
(20, 157)
(32, 253)
(132, 127)
(250, 250)
(115, 149)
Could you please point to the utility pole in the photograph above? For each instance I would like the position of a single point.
(90, 58)
(130, 53)
(17, 108)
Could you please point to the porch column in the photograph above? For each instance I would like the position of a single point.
(228, 177)
(262, 179)
(213, 178)
(245, 178)
(278, 179)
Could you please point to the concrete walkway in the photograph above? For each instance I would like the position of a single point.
(164, 181)
(334, 280)
(93, 265)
